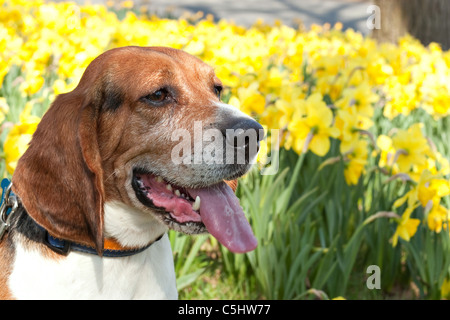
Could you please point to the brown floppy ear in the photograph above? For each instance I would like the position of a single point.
(233, 184)
(60, 178)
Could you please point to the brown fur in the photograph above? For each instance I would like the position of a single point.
(6, 253)
(81, 151)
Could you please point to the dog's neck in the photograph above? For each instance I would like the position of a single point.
(131, 227)
(146, 275)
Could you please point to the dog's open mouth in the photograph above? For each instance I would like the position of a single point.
(215, 207)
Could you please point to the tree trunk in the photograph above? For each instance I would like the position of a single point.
(426, 20)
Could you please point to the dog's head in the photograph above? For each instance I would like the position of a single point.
(145, 128)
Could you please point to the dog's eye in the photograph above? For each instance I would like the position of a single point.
(218, 91)
(157, 97)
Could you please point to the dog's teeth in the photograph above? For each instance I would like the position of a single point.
(196, 204)
(159, 179)
(177, 193)
(183, 196)
(169, 187)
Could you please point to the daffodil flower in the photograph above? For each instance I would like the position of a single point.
(438, 217)
(249, 100)
(407, 226)
(317, 123)
(445, 288)
(19, 137)
(414, 147)
(356, 162)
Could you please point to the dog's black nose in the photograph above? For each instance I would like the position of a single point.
(244, 132)
(243, 136)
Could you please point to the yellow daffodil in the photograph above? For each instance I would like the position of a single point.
(435, 90)
(438, 217)
(384, 144)
(442, 162)
(33, 83)
(404, 98)
(350, 124)
(60, 86)
(316, 123)
(361, 97)
(406, 227)
(19, 137)
(291, 101)
(433, 189)
(414, 196)
(412, 148)
(428, 193)
(357, 160)
(379, 70)
(249, 100)
(331, 86)
(445, 288)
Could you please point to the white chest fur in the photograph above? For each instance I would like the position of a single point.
(147, 275)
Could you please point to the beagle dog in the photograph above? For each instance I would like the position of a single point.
(106, 176)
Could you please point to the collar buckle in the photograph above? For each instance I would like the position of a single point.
(9, 205)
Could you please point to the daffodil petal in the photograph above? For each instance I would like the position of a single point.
(320, 145)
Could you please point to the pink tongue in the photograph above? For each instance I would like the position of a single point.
(223, 217)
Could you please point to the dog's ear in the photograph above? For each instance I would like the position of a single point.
(233, 184)
(60, 178)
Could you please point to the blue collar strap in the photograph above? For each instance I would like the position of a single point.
(64, 247)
